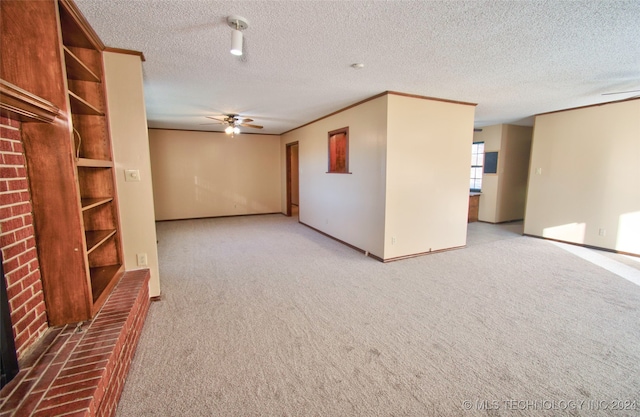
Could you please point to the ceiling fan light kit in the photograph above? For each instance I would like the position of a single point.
(232, 130)
(237, 24)
(233, 122)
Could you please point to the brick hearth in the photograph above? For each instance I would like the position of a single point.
(81, 372)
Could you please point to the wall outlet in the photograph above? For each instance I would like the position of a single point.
(393, 240)
(141, 258)
(602, 232)
(539, 171)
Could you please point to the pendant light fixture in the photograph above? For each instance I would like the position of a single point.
(237, 24)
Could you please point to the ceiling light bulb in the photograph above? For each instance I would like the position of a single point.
(236, 42)
(236, 130)
(229, 130)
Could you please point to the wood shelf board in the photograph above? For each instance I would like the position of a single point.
(94, 163)
(76, 69)
(95, 238)
(89, 203)
(103, 279)
(81, 106)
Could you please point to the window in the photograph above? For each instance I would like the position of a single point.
(477, 159)
(339, 151)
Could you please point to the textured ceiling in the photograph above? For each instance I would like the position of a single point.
(513, 58)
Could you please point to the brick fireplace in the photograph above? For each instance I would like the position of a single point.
(17, 241)
(65, 370)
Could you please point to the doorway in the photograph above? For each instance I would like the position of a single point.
(293, 183)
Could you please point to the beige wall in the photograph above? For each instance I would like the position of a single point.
(207, 174)
(349, 207)
(504, 193)
(585, 176)
(128, 124)
(428, 154)
(515, 152)
(409, 184)
(492, 138)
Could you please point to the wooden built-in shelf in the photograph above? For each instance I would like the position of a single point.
(81, 106)
(96, 238)
(94, 163)
(89, 203)
(103, 278)
(76, 69)
(56, 76)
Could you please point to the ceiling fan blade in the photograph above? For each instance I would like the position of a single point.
(247, 120)
(620, 92)
(213, 123)
(251, 126)
(220, 119)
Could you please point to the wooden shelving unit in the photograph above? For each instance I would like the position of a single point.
(56, 55)
(94, 162)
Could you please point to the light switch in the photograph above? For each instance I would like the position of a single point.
(131, 175)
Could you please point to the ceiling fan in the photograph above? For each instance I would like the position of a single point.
(233, 122)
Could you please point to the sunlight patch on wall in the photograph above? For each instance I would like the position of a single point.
(570, 232)
(628, 238)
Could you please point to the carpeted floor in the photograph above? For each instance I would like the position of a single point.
(261, 316)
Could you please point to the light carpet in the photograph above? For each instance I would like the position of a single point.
(262, 316)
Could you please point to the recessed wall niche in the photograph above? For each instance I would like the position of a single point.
(339, 151)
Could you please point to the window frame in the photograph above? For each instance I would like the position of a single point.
(474, 178)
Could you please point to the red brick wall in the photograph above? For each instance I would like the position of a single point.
(17, 241)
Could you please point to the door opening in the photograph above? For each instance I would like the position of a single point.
(293, 198)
